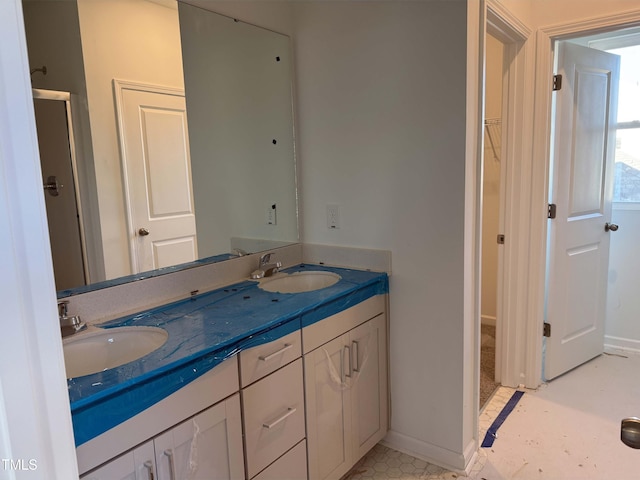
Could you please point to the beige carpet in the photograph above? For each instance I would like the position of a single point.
(487, 363)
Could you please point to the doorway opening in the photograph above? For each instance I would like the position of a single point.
(492, 221)
(610, 269)
(59, 172)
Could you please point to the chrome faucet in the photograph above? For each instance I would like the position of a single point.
(266, 269)
(69, 325)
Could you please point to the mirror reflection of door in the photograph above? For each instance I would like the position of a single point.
(155, 155)
(60, 193)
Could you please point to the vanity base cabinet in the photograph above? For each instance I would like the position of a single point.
(369, 397)
(291, 466)
(346, 395)
(205, 447)
(215, 385)
(328, 404)
(138, 464)
(273, 416)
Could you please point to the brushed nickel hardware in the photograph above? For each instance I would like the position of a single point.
(149, 466)
(347, 350)
(172, 470)
(356, 363)
(290, 411)
(286, 347)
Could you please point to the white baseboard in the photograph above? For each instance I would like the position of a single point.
(453, 461)
(488, 320)
(627, 344)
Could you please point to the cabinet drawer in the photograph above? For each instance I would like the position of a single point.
(260, 361)
(292, 465)
(326, 330)
(274, 418)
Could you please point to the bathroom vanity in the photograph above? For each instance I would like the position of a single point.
(251, 384)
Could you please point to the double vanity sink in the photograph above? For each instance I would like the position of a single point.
(99, 349)
(127, 365)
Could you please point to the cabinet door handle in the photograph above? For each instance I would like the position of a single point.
(356, 363)
(172, 470)
(286, 347)
(149, 466)
(347, 350)
(290, 411)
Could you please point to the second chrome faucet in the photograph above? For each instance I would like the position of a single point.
(265, 267)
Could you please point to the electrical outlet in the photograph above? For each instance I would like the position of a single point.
(333, 217)
(271, 214)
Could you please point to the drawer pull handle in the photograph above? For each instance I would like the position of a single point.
(172, 469)
(290, 411)
(149, 466)
(286, 347)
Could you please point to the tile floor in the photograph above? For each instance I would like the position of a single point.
(567, 429)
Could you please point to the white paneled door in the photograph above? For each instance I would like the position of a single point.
(582, 181)
(156, 164)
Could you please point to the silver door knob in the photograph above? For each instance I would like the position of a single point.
(143, 232)
(610, 226)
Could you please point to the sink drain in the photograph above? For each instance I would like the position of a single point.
(630, 432)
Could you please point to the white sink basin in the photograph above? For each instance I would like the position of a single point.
(299, 282)
(101, 349)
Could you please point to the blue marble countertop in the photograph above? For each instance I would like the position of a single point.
(203, 332)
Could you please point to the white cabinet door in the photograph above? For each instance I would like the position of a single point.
(328, 404)
(368, 385)
(346, 388)
(138, 464)
(205, 447)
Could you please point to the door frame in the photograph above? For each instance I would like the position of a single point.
(545, 41)
(35, 415)
(517, 100)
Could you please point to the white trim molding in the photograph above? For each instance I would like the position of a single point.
(35, 416)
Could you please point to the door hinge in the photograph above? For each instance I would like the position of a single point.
(546, 329)
(557, 82)
(551, 210)
(500, 239)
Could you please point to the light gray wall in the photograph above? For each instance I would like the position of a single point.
(381, 117)
(622, 328)
(132, 40)
(52, 28)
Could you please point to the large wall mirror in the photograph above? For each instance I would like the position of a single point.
(179, 125)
